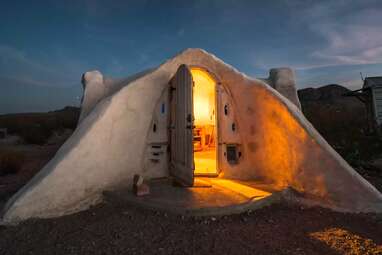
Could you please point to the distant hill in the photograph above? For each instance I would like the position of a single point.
(329, 110)
(36, 128)
(325, 93)
(16, 97)
(331, 98)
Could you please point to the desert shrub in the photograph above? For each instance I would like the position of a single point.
(10, 162)
(36, 128)
(36, 134)
(69, 122)
(342, 122)
(68, 117)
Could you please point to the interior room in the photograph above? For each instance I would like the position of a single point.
(204, 133)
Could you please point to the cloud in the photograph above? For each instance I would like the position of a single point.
(16, 64)
(10, 55)
(337, 32)
(351, 44)
(351, 32)
(353, 84)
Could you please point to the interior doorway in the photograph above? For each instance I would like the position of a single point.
(205, 124)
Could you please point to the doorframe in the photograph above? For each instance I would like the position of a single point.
(218, 87)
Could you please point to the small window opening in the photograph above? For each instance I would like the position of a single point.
(226, 109)
(155, 128)
(233, 127)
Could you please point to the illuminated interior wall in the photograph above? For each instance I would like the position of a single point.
(204, 101)
(204, 97)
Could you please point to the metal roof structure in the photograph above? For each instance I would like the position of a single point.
(370, 82)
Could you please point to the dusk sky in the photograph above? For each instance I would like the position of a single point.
(45, 46)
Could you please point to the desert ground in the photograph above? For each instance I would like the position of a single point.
(116, 228)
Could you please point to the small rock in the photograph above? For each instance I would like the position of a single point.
(140, 188)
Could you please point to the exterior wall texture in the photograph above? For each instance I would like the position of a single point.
(114, 142)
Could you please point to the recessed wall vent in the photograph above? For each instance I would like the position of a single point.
(232, 155)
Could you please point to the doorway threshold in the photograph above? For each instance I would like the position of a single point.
(211, 196)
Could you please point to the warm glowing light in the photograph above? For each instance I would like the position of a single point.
(202, 110)
(204, 97)
(343, 241)
(244, 190)
(282, 148)
(204, 122)
(205, 161)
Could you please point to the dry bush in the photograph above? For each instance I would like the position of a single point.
(36, 134)
(10, 162)
(36, 128)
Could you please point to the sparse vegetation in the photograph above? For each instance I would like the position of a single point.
(341, 121)
(36, 128)
(10, 162)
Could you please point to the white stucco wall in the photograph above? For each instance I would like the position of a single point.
(283, 80)
(111, 143)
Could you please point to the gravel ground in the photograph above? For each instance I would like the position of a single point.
(118, 229)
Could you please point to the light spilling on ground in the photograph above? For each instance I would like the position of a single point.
(205, 161)
(244, 190)
(345, 242)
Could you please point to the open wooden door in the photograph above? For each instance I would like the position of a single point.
(181, 127)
